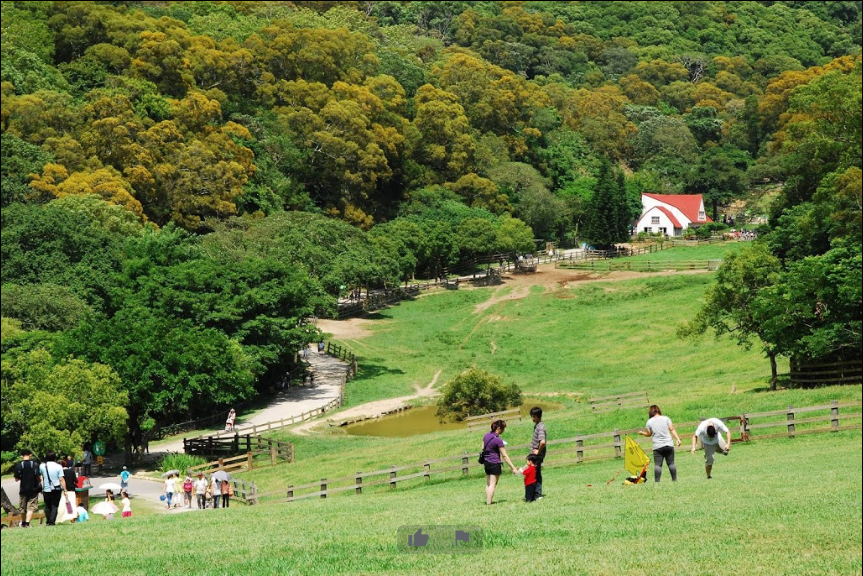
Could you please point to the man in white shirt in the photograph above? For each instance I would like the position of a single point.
(709, 434)
(201, 491)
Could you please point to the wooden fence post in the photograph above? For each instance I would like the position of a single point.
(618, 452)
(323, 487)
(744, 434)
(427, 469)
(359, 482)
(272, 454)
(791, 429)
(290, 492)
(464, 464)
(579, 454)
(834, 415)
(253, 494)
(249, 460)
(392, 478)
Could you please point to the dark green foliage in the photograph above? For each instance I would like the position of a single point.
(43, 306)
(19, 160)
(475, 392)
(608, 212)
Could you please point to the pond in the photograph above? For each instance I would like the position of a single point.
(422, 420)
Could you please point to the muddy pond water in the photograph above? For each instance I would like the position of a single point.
(422, 420)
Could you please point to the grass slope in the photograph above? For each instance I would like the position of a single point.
(593, 338)
(776, 507)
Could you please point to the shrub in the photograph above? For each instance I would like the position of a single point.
(476, 392)
(181, 462)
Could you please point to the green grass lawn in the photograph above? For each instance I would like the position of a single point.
(591, 339)
(774, 507)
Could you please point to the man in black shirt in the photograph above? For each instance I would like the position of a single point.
(27, 473)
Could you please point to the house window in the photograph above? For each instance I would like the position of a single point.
(701, 215)
(648, 229)
(654, 219)
(663, 230)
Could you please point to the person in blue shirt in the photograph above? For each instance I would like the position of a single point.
(124, 478)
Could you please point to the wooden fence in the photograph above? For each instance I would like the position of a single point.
(826, 415)
(576, 450)
(484, 420)
(629, 400)
(216, 447)
(641, 265)
(804, 374)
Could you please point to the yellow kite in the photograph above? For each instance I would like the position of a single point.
(635, 461)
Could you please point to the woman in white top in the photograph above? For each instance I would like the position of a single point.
(169, 490)
(661, 429)
(127, 505)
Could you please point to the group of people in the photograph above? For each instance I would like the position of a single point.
(494, 455)
(708, 435)
(215, 491)
(711, 434)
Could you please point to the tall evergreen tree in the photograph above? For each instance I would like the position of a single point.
(608, 215)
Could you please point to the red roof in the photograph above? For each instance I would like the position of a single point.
(670, 215)
(689, 204)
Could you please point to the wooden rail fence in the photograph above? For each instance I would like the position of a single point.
(629, 400)
(642, 265)
(803, 374)
(576, 450)
(484, 420)
(220, 448)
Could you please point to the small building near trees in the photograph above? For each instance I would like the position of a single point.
(671, 214)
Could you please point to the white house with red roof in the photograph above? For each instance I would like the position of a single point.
(671, 214)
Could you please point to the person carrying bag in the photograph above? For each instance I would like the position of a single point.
(53, 486)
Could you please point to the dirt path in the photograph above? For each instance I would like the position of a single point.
(329, 375)
(376, 408)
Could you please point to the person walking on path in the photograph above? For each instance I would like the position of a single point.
(53, 486)
(87, 461)
(661, 429)
(537, 446)
(227, 492)
(169, 490)
(709, 434)
(494, 452)
(232, 417)
(188, 485)
(201, 491)
(26, 472)
(216, 492)
(124, 479)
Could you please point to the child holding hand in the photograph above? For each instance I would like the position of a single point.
(529, 473)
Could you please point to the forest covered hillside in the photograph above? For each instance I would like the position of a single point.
(161, 161)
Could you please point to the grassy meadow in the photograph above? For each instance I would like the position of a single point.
(773, 508)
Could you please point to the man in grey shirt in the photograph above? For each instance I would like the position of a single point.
(537, 445)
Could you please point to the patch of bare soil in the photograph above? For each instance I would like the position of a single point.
(376, 408)
(350, 329)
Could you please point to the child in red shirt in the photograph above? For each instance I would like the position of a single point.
(529, 473)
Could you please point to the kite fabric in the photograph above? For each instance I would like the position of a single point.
(634, 459)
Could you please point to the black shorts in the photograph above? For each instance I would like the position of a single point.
(492, 469)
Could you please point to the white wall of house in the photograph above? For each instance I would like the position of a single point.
(656, 221)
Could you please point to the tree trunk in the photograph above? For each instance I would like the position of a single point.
(773, 376)
(715, 209)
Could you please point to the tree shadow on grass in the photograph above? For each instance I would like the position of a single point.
(369, 371)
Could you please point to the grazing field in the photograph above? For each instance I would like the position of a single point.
(562, 334)
(774, 507)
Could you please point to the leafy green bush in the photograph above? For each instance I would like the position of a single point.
(181, 462)
(476, 392)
